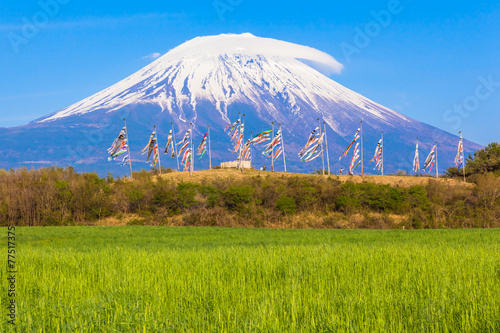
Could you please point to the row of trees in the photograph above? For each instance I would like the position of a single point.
(55, 196)
(484, 161)
(51, 196)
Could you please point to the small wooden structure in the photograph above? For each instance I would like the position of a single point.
(234, 165)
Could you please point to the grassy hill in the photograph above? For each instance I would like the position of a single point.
(230, 198)
(392, 180)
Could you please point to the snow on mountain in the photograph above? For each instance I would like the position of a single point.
(243, 68)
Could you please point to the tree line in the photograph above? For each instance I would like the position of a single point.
(61, 196)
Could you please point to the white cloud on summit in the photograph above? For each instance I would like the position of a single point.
(152, 56)
(249, 44)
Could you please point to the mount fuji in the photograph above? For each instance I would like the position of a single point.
(208, 81)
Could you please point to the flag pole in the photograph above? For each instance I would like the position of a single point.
(175, 148)
(158, 150)
(322, 151)
(283, 147)
(209, 149)
(251, 148)
(128, 147)
(238, 137)
(383, 148)
(242, 165)
(417, 153)
(272, 150)
(463, 153)
(327, 154)
(241, 146)
(192, 151)
(362, 155)
(437, 165)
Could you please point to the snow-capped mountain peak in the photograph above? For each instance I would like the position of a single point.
(262, 72)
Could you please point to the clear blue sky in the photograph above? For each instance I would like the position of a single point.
(430, 56)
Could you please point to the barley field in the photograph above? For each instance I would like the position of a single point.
(162, 279)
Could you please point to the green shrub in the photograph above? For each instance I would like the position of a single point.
(165, 196)
(286, 205)
(135, 197)
(186, 193)
(306, 196)
(417, 197)
(236, 197)
(211, 194)
(348, 204)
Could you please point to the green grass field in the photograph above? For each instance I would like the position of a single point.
(147, 279)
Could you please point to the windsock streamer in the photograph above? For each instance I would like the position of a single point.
(313, 137)
(156, 156)
(186, 155)
(315, 151)
(150, 146)
(314, 144)
(246, 151)
(314, 157)
(278, 153)
(354, 139)
(123, 148)
(376, 151)
(313, 148)
(310, 154)
(242, 130)
(186, 138)
(188, 163)
(459, 159)
(276, 141)
(416, 161)
(230, 128)
(377, 157)
(111, 149)
(238, 143)
(380, 159)
(186, 159)
(262, 137)
(125, 160)
(248, 155)
(268, 151)
(202, 148)
(429, 161)
(234, 135)
(119, 146)
(313, 154)
(355, 162)
(170, 145)
(237, 137)
(183, 147)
